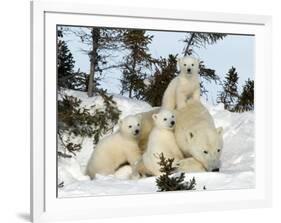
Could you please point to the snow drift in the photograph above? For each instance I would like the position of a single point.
(237, 158)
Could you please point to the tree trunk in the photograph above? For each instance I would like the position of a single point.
(93, 60)
(133, 72)
(91, 80)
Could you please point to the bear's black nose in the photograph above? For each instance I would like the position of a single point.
(172, 122)
(137, 131)
(188, 70)
(216, 170)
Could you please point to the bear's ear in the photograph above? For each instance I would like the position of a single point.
(154, 116)
(190, 136)
(220, 130)
(175, 112)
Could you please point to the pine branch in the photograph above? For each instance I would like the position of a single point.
(167, 182)
(187, 50)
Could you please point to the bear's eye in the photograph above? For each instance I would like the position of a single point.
(192, 64)
(138, 124)
(218, 150)
(173, 116)
(184, 65)
(165, 119)
(206, 152)
(130, 126)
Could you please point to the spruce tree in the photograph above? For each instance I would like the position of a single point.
(77, 120)
(137, 62)
(246, 99)
(65, 65)
(73, 118)
(208, 75)
(229, 95)
(167, 182)
(165, 71)
(100, 45)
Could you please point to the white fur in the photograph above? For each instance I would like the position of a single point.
(183, 87)
(146, 127)
(124, 172)
(197, 136)
(116, 149)
(190, 165)
(161, 140)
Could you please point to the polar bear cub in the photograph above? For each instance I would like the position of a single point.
(116, 149)
(161, 140)
(183, 87)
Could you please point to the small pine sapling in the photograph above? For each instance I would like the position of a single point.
(167, 182)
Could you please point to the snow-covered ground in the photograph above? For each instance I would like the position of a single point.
(237, 159)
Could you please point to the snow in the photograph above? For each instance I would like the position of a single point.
(147, 82)
(237, 159)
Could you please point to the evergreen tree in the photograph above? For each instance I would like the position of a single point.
(246, 99)
(208, 75)
(65, 65)
(167, 182)
(137, 62)
(74, 120)
(165, 71)
(80, 81)
(229, 95)
(78, 121)
(102, 43)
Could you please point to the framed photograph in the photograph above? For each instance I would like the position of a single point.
(137, 111)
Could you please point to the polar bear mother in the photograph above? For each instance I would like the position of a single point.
(197, 136)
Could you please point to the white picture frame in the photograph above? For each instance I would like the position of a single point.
(45, 205)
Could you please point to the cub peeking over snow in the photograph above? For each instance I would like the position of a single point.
(161, 140)
(116, 149)
(183, 87)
